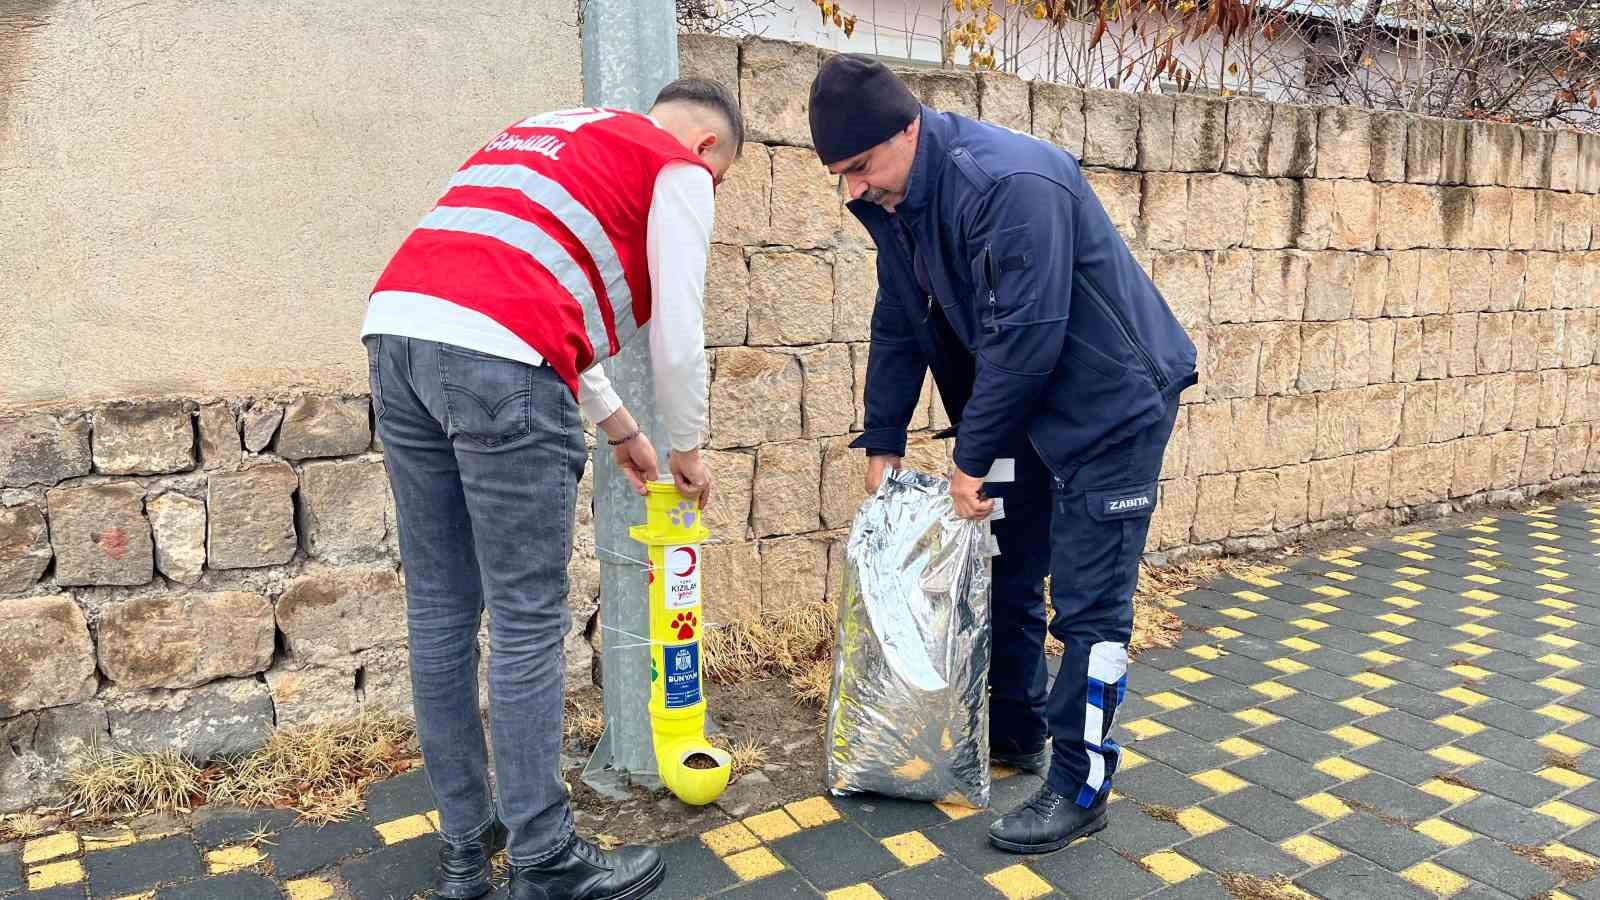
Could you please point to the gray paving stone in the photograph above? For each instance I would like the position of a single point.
(887, 816)
(1397, 725)
(1313, 712)
(1265, 627)
(1346, 640)
(782, 886)
(1221, 693)
(1507, 748)
(1091, 869)
(1495, 865)
(1182, 752)
(1353, 878)
(1298, 741)
(1161, 785)
(1509, 783)
(1200, 887)
(1586, 839)
(1588, 732)
(1416, 701)
(1393, 847)
(1253, 647)
(1390, 797)
(306, 848)
(1326, 685)
(1129, 830)
(1519, 693)
(1505, 821)
(213, 828)
(138, 867)
(396, 871)
(1237, 850)
(1283, 774)
(940, 878)
(692, 871)
(1426, 653)
(1239, 668)
(1586, 797)
(11, 871)
(401, 796)
(1398, 761)
(1264, 812)
(1202, 721)
(1338, 662)
(1429, 678)
(839, 855)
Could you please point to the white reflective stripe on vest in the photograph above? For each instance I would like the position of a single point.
(532, 240)
(548, 193)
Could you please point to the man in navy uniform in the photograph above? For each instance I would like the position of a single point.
(1060, 365)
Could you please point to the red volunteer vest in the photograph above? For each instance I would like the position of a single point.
(543, 230)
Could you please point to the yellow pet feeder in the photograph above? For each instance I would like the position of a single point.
(695, 771)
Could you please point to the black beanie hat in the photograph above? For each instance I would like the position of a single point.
(857, 104)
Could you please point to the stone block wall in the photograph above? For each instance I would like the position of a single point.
(1395, 316)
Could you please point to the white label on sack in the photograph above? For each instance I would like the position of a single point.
(683, 577)
(1002, 472)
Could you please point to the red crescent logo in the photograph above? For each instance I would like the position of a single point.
(693, 561)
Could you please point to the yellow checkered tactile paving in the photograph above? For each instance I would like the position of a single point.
(1437, 656)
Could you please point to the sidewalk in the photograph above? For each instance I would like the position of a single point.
(1413, 719)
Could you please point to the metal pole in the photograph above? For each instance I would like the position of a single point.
(630, 51)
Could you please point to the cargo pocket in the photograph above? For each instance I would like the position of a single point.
(1128, 509)
(1098, 538)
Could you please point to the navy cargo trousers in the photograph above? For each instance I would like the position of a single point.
(1086, 529)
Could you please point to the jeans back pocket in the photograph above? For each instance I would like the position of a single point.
(488, 399)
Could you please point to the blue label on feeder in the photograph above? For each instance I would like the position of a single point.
(683, 675)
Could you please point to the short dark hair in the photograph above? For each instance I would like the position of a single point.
(712, 95)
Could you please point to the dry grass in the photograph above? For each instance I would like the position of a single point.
(748, 755)
(1389, 819)
(1570, 870)
(114, 782)
(21, 826)
(1249, 887)
(319, 771)
(584, 723)
(1561, 760)
(1159, 813)
(814, 684)
(798, 645)
(1457, 780)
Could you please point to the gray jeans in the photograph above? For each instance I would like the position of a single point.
(484, 456)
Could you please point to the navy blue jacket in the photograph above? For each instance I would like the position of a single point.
(1001, 272)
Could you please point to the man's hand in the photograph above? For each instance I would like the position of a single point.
(877, 465)
(631, 449)
(968, 495)
(636, 457)
(691, 476)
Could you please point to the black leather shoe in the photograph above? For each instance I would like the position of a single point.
(464, 868)
(585, 872)
(1047, 822)
(1036, 763)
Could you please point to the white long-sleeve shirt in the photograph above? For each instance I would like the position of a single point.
(677, 239)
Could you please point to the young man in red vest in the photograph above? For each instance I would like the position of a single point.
(552, 246)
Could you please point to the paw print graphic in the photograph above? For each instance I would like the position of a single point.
(685, 624)
(684, 515)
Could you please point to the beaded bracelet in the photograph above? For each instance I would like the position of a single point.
(626, 438)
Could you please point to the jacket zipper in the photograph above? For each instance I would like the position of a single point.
(1122, 325)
